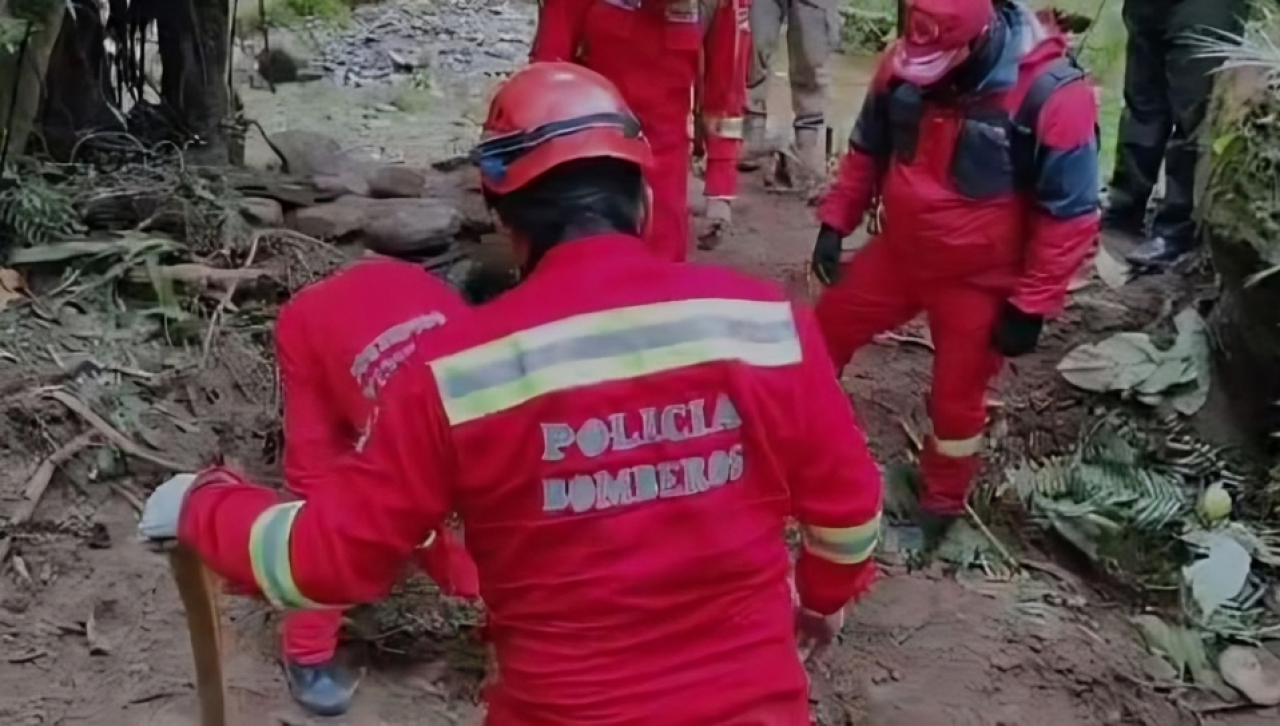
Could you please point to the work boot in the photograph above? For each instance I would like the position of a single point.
(934, 527)
(1123, 222)
(802, 168)
(1159, 253)
(755, 145)
(324, 689)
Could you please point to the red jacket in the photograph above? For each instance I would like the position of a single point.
(1027, 241)
(654, 51)
(337, 343)
(625, 439)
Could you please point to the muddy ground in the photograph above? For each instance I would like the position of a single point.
(92, 634)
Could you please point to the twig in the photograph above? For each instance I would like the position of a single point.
(986, 531)
(905, 339)
(127, 494)
(39, 482)
(111, 434)
(220, 311)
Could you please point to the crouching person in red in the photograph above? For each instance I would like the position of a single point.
(624, 437)
(337, 343)
(978, 141)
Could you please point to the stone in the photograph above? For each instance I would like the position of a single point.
(340, 218)
(262, 212)
(394, 182)
(409, 225)
(1255, 672)
(306, 153)
(345, 182)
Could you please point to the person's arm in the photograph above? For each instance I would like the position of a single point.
(835, 485)
(1065, 222)
(725, 55)
(843, 205)
(347, 543)
(559, 31)
(315, 436)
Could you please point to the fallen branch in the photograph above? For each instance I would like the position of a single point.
(219, 312)
(39, 482)
(194, 273)
(111, 434)
(986, 531)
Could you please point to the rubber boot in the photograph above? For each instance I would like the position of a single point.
(808, 167)
(1159, 253)
(755, 146)
(324, 689)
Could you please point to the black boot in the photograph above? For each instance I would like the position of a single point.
(325, 689)
(1124, 222)
(1159, 253)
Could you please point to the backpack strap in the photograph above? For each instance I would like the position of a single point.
(1026, 146)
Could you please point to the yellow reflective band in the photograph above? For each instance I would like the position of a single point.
(269, 553)
(727, 128)
(959, 448)
(843, 546)
(610, 346)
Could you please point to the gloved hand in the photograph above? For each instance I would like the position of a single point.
(826, 255)
(717, 217)
(164, 506)
(1016, 332)
(815, 632)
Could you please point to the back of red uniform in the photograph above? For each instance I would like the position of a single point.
(338, 340)
(631, 529)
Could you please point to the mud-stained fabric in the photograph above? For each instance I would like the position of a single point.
(613, 346)
(843, 545)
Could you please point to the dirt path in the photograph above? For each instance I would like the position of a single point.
(922, 650)
(91, 633)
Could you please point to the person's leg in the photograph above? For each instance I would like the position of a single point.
(669, 179)
(962, 319)
(1146, 121)
(813, 32)
(766, 18)
(1190, 80)
(871, 296)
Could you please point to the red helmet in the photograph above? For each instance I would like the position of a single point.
(547, 114)
(937, 37)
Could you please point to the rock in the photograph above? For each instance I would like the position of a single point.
(1255, 672)
(306, 153)
(278, 66)
(403, 225)
(262, 212)
(343, 183)
(333, 220)
(394, 182)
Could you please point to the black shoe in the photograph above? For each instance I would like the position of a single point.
(324, 690)
(1159, 253)
(1124, 223)
(934, 527)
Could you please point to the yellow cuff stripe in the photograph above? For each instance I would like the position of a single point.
(269, 554)
(843, 546)
(959, 448)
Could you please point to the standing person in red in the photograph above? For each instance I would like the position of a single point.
(978, 139)
(652, 50)
(337, 343)
(624, 437)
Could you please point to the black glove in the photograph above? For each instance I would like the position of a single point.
(826, 255)
(1017, 332)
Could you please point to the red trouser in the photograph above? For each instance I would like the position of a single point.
(876, 293)
(310, 637)
(669, 179)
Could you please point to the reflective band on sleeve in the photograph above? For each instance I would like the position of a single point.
(613, 345)
(727, 128)
(843, 546)
(269, 553)
(959, 448)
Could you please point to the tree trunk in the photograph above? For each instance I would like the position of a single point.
(194, 38)
(22, 82)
